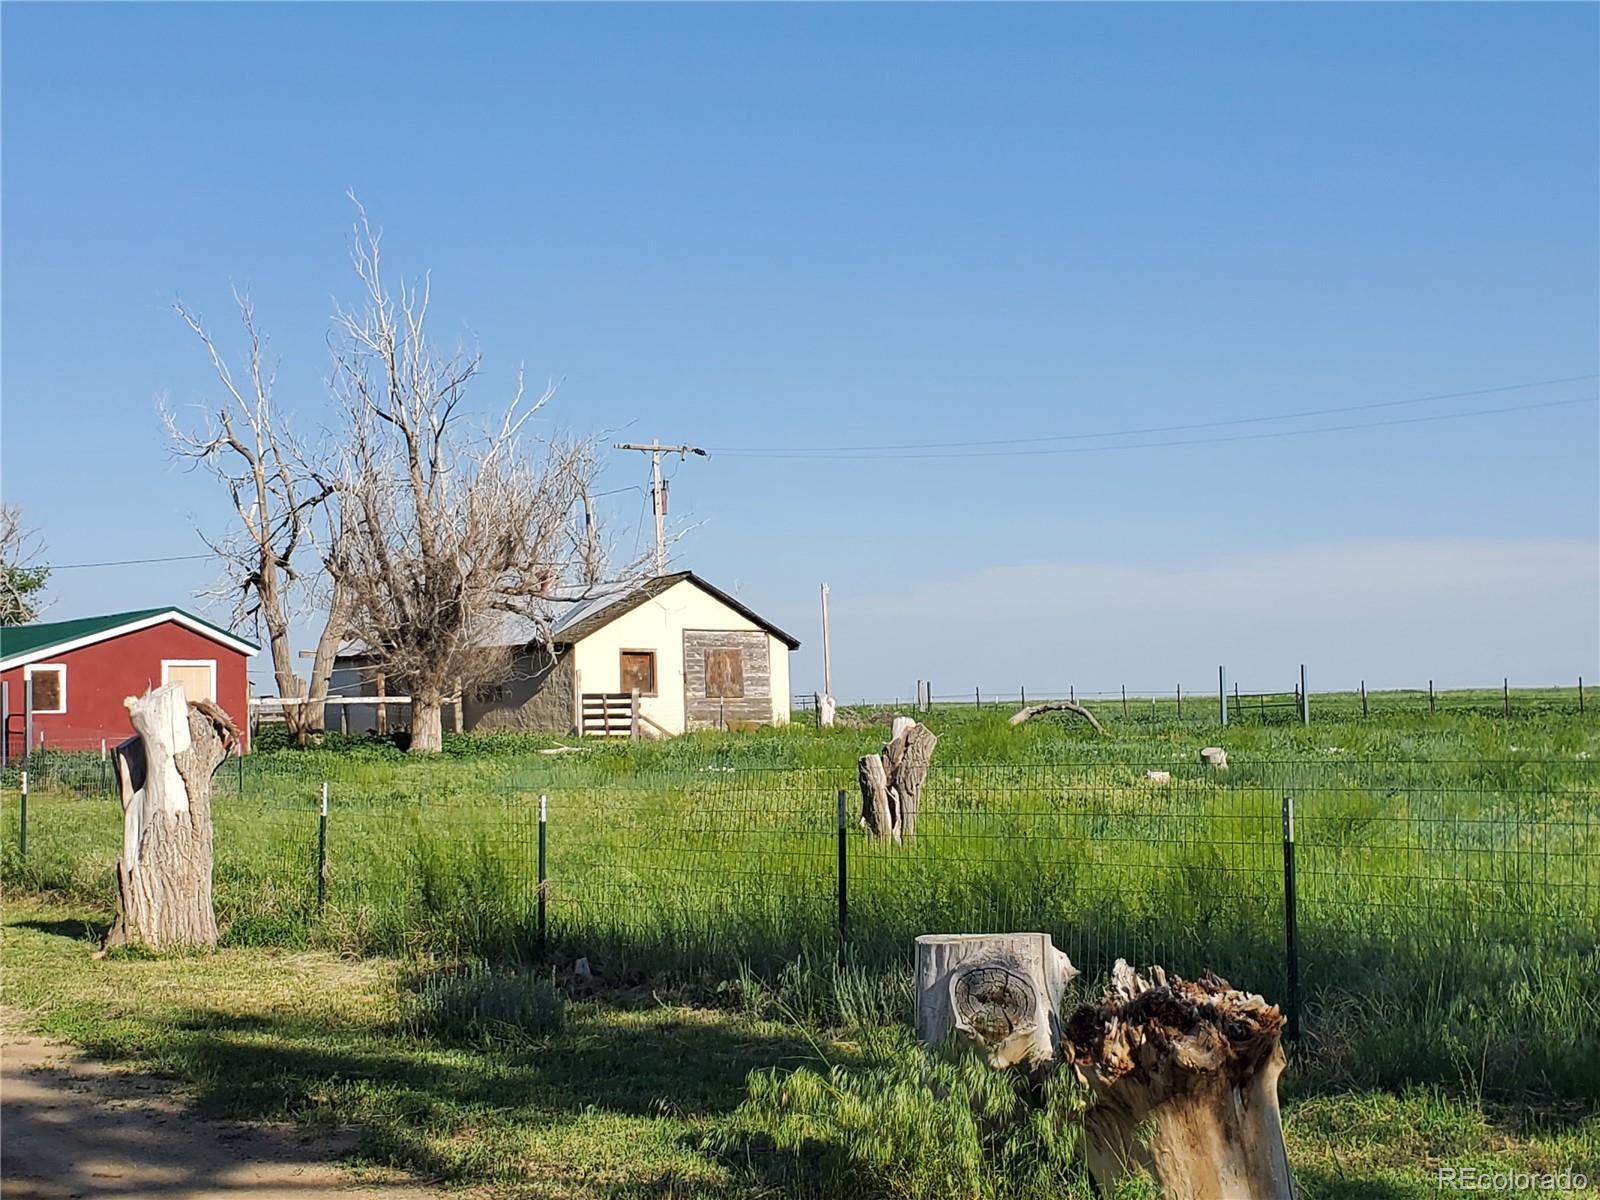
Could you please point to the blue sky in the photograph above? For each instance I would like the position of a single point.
(771, 227)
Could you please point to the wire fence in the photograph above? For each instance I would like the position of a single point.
(1205, 705)
(1350, 891)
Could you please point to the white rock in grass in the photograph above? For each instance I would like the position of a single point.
(1215, 756)
(1158, 776)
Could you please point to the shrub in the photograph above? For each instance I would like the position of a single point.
(481, 1006)
(916, 1125)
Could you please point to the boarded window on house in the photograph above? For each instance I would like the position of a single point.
(724, 674)
(639, 671)
(49, 689)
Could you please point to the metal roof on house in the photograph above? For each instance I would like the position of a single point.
(25, 643)
(596, 612)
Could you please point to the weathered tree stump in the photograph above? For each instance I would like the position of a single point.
(891, 782)
(164, 773)
(1002, 990)
(1183, 1083)
(1033, 710)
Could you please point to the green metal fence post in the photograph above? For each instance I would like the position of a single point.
(1290, 929)
(1222, 695)
(843, 880)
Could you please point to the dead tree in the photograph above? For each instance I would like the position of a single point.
(891, 782)
(1033, 710)
(164, 773)
(1183, 1084)
(282, 554)
(449, 526)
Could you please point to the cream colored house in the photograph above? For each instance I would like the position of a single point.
(697, 658)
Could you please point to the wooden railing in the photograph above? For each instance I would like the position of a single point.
(608, 714)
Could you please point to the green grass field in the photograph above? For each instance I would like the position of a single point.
(1448, 870)
(649, 1093)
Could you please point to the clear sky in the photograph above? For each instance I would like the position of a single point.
(832, 226)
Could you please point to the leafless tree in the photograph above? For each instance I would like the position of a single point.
(22, 576)
(450, 523)
(283, 553)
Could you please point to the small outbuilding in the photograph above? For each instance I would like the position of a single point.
(82, 670)
(697, 657)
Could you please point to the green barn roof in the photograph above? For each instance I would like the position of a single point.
(19, 643)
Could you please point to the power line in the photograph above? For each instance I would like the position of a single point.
(864, 453)
(127, 562)
(875, 449)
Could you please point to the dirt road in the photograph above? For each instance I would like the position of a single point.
(71, 1128)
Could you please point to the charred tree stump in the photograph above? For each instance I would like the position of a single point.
(1001, 990)
(1183, 1083)
(164, 773)
(1033, 710)
(891, 782)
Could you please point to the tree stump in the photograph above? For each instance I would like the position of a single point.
(1002, 990)
(891, 782)
(164, 774)
(1183, 1083)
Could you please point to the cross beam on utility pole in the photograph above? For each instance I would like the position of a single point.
(658, 489)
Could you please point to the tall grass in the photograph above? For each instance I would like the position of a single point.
(1448, 868)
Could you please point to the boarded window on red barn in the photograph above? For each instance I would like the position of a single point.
(49, 688)
(724, 674)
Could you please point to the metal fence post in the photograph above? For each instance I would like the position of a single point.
(1363, 699)
(241, 772)
(1580, 695)
(1430, 697)
(1222, 695)
(22, 826)
(1124, 702)
(1506, 684)
(843, 884)
(1180, 702)
(5, 721)
(322, 852)
(544, 819)
(1290, 932)
(1305, 698)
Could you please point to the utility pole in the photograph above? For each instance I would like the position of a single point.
(827, 646)
(658, 489)
(826, 708)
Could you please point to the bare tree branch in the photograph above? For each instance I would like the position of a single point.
(448, 522)
(282, 551)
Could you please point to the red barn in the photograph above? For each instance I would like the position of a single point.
(82, 670)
